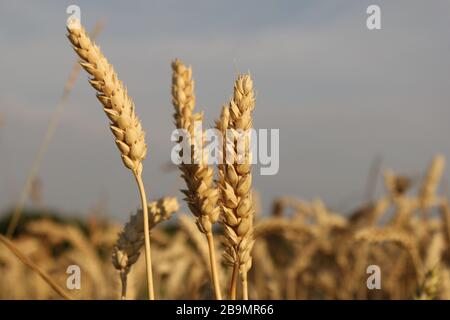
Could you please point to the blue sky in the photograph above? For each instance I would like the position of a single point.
(339, 93)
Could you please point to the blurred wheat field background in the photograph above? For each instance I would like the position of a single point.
(303, 250)
(224, 231)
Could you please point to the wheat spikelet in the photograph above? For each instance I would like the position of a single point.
(201, 194)
(127, 249)
(235, 180)
(125, 125)
(427, 192)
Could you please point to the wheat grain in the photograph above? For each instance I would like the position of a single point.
(235, 180)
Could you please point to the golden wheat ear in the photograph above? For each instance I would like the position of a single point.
(201, 193)
(127, 249)
(125, 125)
(235, 181)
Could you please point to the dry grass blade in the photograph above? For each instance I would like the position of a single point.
(34, 267)
(125, 125)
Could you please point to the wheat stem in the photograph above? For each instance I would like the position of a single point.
(214, 271)
(234, 280)
(123, 281)
(244, 286)
(25, 260)
(148, 256)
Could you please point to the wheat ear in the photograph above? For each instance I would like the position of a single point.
(235, 180)
(125, 125)
(201, 195)
(127, 249)
(444, 209)
(427, 192)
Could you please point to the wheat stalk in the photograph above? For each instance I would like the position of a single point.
(201, 195)
(35, 268)
(127, 249)
(235, 180)
(189, 227)
(125, 125)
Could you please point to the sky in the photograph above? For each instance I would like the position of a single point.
(340, 94)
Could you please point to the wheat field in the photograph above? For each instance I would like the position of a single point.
(302, 250)
(224, 246)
